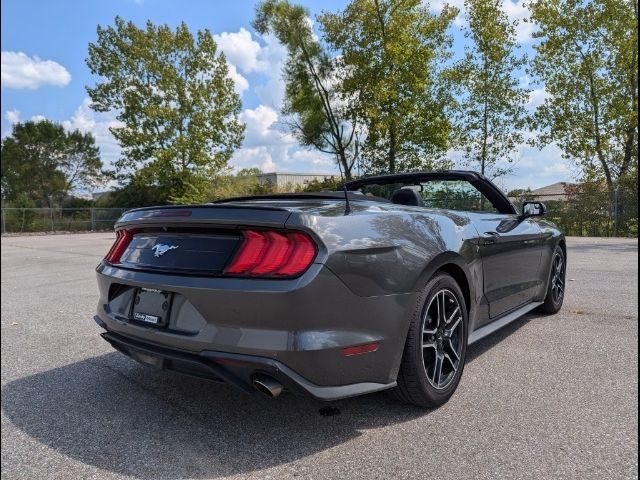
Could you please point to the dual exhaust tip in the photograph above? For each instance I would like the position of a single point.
(267, 385)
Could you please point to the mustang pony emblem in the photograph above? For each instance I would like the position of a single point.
(160, 249)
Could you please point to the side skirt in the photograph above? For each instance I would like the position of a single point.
(501, 322)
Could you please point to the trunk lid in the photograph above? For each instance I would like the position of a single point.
(197, 240)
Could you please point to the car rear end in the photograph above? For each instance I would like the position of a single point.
(242, 294)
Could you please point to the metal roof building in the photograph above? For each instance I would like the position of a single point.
(293, 180)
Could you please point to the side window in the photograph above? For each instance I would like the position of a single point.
(457, 195)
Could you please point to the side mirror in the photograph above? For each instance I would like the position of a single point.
(533, 209)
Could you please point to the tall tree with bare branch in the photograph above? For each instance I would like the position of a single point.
(313, 108)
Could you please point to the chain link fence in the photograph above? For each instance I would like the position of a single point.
(28, 220)
(578, 211)
(589, 212)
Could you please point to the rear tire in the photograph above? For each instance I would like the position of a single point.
(436, 346)
(556, 284)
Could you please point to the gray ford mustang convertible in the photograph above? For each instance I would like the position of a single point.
(334, 294)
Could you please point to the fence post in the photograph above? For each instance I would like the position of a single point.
(615, 212)
(4, 222)
(93, 219)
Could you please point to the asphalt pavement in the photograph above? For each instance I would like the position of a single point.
(546, 397)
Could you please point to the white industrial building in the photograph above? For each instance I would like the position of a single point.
(283, 180)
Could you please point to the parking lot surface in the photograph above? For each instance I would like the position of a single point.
(546, 397)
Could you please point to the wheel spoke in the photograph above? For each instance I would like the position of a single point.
(428, 331)
(453, 350)
(453, 364)
(455, 312)
(437, 370)
(443, 309)
(448, 333)
(430, 344)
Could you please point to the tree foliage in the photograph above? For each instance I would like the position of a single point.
(491, 111)
(175, 101)
(313, 106)
(392, 54)
(329, 184)
(42, 163)
(587, 59)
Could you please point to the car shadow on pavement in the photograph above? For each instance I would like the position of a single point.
(111, 413)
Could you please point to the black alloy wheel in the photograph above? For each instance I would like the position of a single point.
(442, 331)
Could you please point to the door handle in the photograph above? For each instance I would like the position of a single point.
(490, 237)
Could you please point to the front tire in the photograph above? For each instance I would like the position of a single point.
(436, 346)
(557, 281)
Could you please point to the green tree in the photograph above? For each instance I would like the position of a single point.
(174, 97)
(316, 114)
(492, 106)
(42, 163)
(329, 184)
(587, 58)
(392, 54)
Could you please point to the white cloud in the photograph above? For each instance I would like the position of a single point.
(313, 161)
(272, 92)
(254, 157)
(264, 58)
(265, 146)
(97, 123)
(518, 11)
(531, 167)
(268, 147)
(21, 71)
(537, 97)
(38, 118)
(13, 116)
(272, 56)
(245, 55)
(240, 49)
(537, 168)
(263, 128)
(241, 83)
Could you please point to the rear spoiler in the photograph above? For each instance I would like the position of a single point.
(205, 215)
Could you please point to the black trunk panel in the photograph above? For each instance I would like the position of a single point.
(187, 252)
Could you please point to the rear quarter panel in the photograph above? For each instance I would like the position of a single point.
(389, 253)
(384, 249)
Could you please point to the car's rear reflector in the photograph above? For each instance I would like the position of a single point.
(272, 254)
(360, 349)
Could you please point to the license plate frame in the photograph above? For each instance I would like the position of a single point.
(151, 307)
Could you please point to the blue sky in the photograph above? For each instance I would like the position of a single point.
(44, 45)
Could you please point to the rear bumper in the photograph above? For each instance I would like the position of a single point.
(301, 324)
(236, 370)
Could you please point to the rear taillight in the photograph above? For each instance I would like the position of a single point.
(123, 238)
(269, 253)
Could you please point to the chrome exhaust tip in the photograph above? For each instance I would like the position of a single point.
(267, 385)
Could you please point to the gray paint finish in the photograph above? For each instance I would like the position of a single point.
(362, 287)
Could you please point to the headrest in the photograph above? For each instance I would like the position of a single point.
(407, 196)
